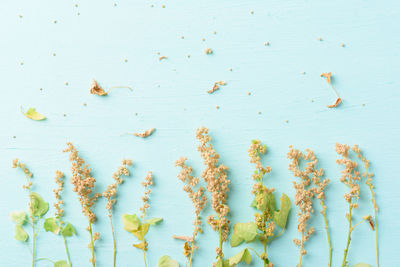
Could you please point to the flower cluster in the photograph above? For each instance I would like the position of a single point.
(59, 180)
(148, 181)
(83, 182)
(350, 175)
(111, 191)
(198, 198)
(17, 164)
(215, 175)
(311, 185)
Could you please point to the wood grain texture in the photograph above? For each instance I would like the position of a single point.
(171, 96)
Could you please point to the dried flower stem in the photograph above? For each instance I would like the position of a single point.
(311, 186)
(83, 184)
(215, 175)
(59, 180)
(199, 201)
(111, 195)
(17, 164)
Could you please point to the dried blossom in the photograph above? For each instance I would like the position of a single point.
(145, 133)
(84, 183)
(59, 180)
(216, 86)
(199, 200)
(311, 186)
(96, 89)
(111, 195)
(215, 176)
(147, 182)
(328, 77)
(351, 177)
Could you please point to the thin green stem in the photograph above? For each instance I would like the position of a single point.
(33, 241)
(66, 250)
(144, 258)
(113, 237)
(376, 239)
(93, 260)
(265, 254)
(348, 238)
(45, 259)
(301, 250)
(191, 254)
(327, 234)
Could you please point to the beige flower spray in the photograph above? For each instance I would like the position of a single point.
(311, 186)
(215, 175)
(351, 177)
(199, 200)
(140, 226)
(111, 195)
(37, 208)
(83, 183)
(267, 217)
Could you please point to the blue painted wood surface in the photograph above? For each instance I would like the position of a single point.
(118, 45)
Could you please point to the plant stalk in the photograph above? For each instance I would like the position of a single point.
(327, 235)
(348, 238)
(113, 237)
(92, 244)
(66, 251)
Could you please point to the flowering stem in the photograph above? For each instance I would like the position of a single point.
(376, 239)
(144, 258)
(301, 249)
(113, 236)
(92, 244)
(327, 234)
(348, 238)
(33, 241)
(66, 251)
(265, 254)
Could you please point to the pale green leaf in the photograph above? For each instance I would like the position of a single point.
(19, 217)
(61, 264)
(131, 222)
(245, 231)
(68, 230)
(141, 231)
(242, 256)
(361, 264)
(280, 216)
(38, 206)
(141, 245)
(50, 225)
(265, 202)
(166, 261)
(153, 221)
(33, 115)
(236, 240)
(20, 233)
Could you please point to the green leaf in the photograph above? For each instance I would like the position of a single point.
(142, 231)
(280, 216)
(166, 261)
(141, 245)
(242, 256)
(68, 230)
(33, 115)
(50, 225)
(153, 221)
(61, 264)
(362, 265)
(20, 233)
(131, 222)
(38, 206)
(265, 202)
(245, 231)
(236, 240)
(19, 217)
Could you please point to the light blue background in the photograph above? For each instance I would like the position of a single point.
(171, 96)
